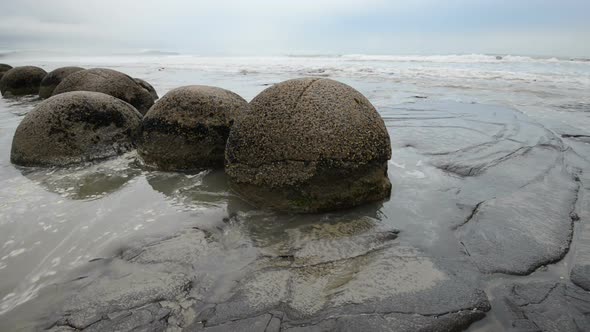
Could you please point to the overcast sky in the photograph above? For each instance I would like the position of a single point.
(261, 27)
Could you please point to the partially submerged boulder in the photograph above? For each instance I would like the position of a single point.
(108, 81)
(22, 81)
(148, 87)
(187, 129)
(75, 127)
(4, 68)
(309, 145)
(52, 80)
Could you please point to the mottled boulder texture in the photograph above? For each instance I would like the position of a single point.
(188, 128)
(21, 81)
(4, 68)
(148, 87)
(52, 80)
(75, 127)
(309, 145)
(112, 83)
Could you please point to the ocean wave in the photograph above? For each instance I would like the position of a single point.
(453, 58)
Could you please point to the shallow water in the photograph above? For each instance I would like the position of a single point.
(451, 153)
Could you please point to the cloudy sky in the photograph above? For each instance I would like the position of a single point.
(267, 27)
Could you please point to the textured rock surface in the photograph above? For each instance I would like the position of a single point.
(580, 273)
(188, 128)
(22, 81)
(53, 78)
(532, 226)
(112, 83)
(147, 87)
(75, 127)
(309, 145)
(508, 176)
(460, 171)
(320, 278)
(4, 68)
(547, 306)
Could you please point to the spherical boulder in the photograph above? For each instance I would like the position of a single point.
(148, 87)
(309, 145)
(108, 81)
(21, 81)
(51, 80)
(187, 129)
(4, 68)
(75, 127)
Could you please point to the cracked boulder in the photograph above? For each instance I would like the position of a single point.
(52, 80)
(21, 81)
(188, 128)
(4, 68)
(110, 82)
(75, 127)
(309, 145)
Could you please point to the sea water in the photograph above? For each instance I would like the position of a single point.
(55, 220)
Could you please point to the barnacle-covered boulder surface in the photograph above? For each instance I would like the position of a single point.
(309, 145)
(4, 68)
(112, 83)
(21, 81)
(75, 127)
(53, 78)
(188, 128)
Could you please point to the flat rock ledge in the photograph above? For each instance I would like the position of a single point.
(362, 279)
(547, 306)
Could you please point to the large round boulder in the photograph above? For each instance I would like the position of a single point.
(4, 68)
(21, 81)
(51, 80)
(148, 87)
(108, 81)
(187, 129)
(75, 127)
(309, 145)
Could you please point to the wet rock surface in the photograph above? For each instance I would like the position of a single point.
(516, 191)
(318, 277)
(110, 82)
(580, 273)
(188, 128)
(547, 306)
(53, 78)
(75, 127)
(309, 145)
(21, 81)
(488, 215)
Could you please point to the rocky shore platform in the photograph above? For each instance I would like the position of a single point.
(486, 230)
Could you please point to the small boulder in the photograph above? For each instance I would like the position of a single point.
(309, 145)
(52, 80)
(148, 87)
(108, 81)
(21, 81)
(4, 68)
(75, 127)
(187, 129)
